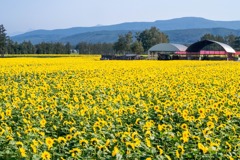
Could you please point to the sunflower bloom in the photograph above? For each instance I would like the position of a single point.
(94, 141)
(184, 126)
(49, 142)
(61, 140)
(23, 152)
(43, 123)
(75, 151)
(177, 154)
(46, 155)
(83, 142)
(160, 150)
(115, 151)
(202, 148)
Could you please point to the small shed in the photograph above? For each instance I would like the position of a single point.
(165, 50)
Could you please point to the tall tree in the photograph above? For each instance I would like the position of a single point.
(83, 47)
(26, 48)
(230, 39)
(219, 38)
(208, 36)
(137, 47)
(236, 43)
(129, 40)
(124, 43)
(151, 37)
(11, 47)
(68, 48)
(3, 40)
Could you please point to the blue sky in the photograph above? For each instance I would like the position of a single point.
(23, 15)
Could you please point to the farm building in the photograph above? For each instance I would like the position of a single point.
(202, 50)
(197, 51)
(165, 51)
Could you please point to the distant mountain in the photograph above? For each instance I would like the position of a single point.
(185, 36)
(95, 37)
(94, 34)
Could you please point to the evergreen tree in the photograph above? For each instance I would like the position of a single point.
(236, 43)
(208, 36)
(11, 47)
(26, 48)
(68, 48)
(3, 40)
(83, 48)
(230, 39)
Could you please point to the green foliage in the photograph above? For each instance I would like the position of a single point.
(144, 40)
(26, 48)
(68, 48)
(97, 48)
(137, 47)
(53, 48)
(231, 40)
(209, 36)
(124, 43)
(10, 47)
(151, 37)
(42, 48)
(3, 40)
(236, 43)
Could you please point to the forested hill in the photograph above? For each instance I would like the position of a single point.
(180, 30)
(189, 36)
(186, 36)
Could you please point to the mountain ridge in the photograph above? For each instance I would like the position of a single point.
(186, 36)
(171, 25)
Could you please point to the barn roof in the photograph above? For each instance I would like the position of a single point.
(168, 47)
(198, 46)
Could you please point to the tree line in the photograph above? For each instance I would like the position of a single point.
(94, 48)
(7, 46)
(232, 40)
(137, 43)
(128, 43)
(42, 48)
(141, 42)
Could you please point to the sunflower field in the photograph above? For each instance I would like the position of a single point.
(84, 108)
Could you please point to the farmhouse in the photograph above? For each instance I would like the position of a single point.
(166, 51)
